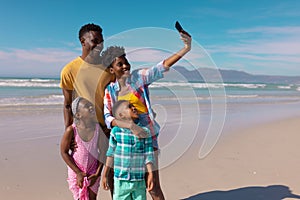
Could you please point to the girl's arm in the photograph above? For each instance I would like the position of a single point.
(177, 56)
(148, 75)
(93, 177)
(64, 151)
(108, 104)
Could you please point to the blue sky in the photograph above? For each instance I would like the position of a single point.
(260, 37)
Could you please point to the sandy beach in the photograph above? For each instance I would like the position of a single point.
(257, 162)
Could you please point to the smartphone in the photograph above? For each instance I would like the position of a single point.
(180, 29)
(178, 26)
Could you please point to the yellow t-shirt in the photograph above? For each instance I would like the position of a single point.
(141, 108)
(88, 81)
(69, 72)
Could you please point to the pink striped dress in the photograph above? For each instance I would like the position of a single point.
(86, 158)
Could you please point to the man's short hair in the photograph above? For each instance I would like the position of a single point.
(89, 27)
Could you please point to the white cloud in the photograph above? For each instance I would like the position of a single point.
(260, 47)
(270, 47)
(146, 54)
(36, 62)
(280, 58)
(196, 58)
(39, 54)
(293, 30)
(279, 41)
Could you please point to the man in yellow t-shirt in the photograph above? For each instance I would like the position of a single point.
(85, 76)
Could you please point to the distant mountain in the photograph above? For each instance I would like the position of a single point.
(231, 76)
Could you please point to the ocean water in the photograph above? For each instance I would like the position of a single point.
(43, 91)
(232, 102)
(29, 91)
(185, 111)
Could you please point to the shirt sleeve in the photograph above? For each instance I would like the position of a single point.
(146, 76)
(149, 153)
(108, 108)
(66, 79)
(112, 142)
(68, 74)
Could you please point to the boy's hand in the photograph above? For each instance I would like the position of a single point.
(150, 182)
(80, 176)
(104, 183)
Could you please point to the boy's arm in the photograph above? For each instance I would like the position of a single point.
(149, 160)
(149, 152)
(107, 167)
(64, 151)
(150, 181)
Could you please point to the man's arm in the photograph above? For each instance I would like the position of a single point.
(67, 110)
(109, 159)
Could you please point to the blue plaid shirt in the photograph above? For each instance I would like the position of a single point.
(130, 153)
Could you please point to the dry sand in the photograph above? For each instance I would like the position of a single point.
(260, 162)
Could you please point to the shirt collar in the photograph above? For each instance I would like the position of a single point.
(116, 86)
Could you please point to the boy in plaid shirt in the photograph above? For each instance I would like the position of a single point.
(128, 155)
